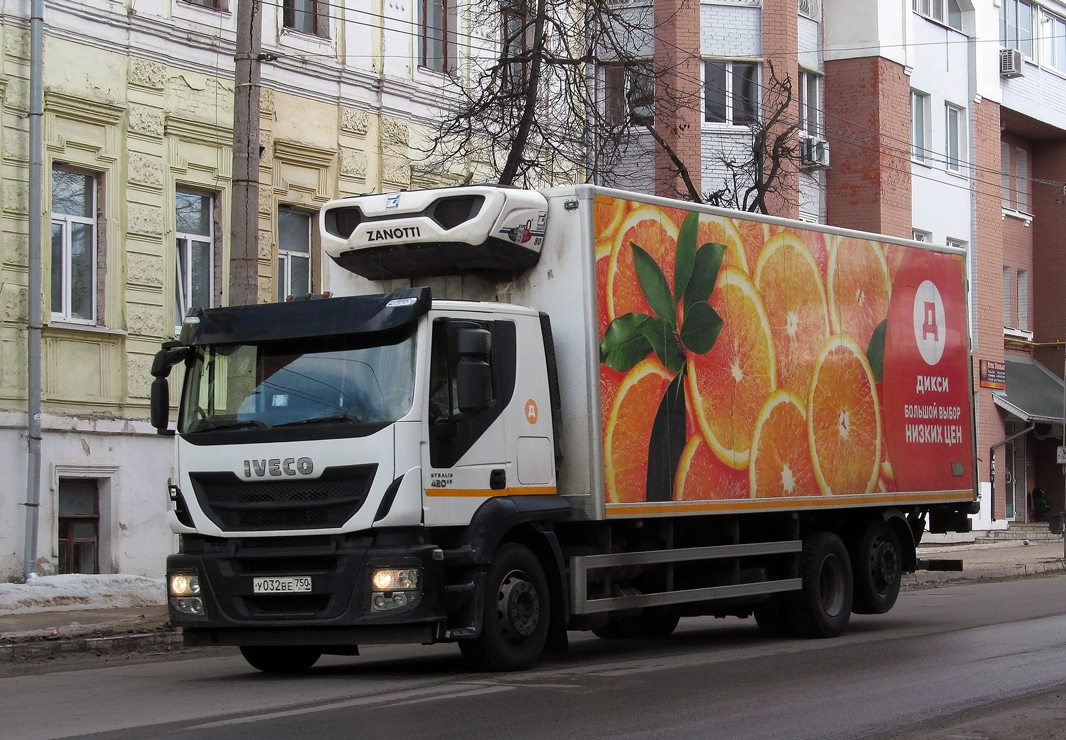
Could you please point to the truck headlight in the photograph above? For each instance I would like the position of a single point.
(185, 599)
(184, 584)
(394, 588)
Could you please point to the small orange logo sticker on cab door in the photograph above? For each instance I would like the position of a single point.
(531, 411)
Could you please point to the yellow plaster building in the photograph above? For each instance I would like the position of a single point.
(138, 116)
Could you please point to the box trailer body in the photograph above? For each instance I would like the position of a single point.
(664, 410)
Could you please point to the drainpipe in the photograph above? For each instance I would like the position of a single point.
(33, 353)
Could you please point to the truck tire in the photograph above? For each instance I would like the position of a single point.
(280, 659)
(514, 626)
(822, 607)
(772, 617)
(877, 561)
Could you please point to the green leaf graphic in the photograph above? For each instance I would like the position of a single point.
(623, 344)
(686, 255)
(654, 286)
(704, 273)
(663, 340)
(875, 353)
(701, 327)
(667, 442)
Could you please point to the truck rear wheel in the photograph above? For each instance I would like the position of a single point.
(822, 607)
(877, 560)
(514, 626)
(280, 659)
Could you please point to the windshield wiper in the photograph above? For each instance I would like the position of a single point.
(227, 425)
(321, 420)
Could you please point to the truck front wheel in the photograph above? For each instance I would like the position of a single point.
(280, 659)
(822, 607)
(514, 625)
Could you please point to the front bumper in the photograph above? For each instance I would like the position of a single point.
(336, 612)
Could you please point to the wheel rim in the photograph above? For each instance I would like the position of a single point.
(831, 587)
(884, 564)
(517, 607)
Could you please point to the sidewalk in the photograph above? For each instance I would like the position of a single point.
(127, 617)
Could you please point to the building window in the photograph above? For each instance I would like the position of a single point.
(947, 12)
(437, 21)
(294, 254)
(1004, 174)
(921, 236)
(1053, 34)
(731, 92)
(1021, 180)
(1008, 314)
(515, 45)
(954, 134)
(1023, 300)
(208, 4)
(73, 246)
(809, 8)
(307, 16)
(195, 253)
(79, 526)
(920, 127)
(1016, 26)
(629, 94)
(810, 103)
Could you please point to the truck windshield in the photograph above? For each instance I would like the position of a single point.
(329, 382)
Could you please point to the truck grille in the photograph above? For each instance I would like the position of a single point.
(320, 503)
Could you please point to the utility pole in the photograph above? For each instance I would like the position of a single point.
(244, 219)
(33, 350)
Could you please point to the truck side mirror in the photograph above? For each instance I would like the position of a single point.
(170, 355)
(161, 405)
(473, 371)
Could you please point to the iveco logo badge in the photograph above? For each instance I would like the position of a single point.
(278, 467)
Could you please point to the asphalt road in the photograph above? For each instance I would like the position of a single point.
(942, 657)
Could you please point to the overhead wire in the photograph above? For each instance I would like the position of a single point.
(377, 22)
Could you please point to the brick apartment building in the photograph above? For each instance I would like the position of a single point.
(946, 122)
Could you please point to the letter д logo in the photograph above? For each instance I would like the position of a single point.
(531, 411)
(930, 331)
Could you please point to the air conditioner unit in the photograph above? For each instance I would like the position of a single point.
(1010, 63)
(814, 153)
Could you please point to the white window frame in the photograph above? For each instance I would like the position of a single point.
(1022, 285)
(1021, 180)
(921, 236)
(183, 288)
(810, 102)
(285, 257)
(940, 11)
(1052, 32)
(954, 137)
(65, 222)
(921, 127)
(730, 92)
(1012, 35)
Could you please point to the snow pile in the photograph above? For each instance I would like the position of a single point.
(74, 591)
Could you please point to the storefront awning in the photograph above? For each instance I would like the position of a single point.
(1033, 394)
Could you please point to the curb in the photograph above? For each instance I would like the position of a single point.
(19, 652)
(930, 579)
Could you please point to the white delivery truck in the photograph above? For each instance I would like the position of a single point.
(663, 410)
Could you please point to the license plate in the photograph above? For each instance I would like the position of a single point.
(282, 585)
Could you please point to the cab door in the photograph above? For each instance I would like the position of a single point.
(465, 454)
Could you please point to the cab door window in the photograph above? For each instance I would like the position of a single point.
(453, 432)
